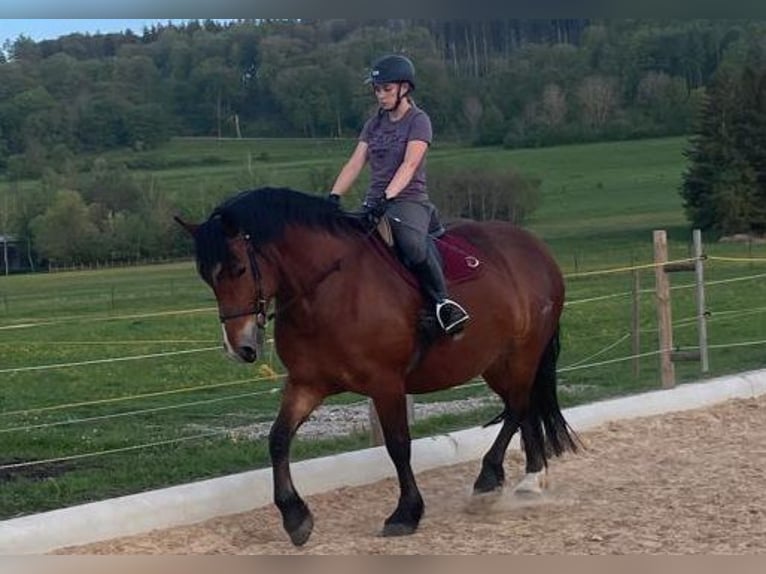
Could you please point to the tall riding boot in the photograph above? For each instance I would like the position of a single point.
(450, 314)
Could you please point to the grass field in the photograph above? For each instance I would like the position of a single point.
(117, 359)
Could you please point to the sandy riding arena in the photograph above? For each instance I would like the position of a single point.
(692, 482)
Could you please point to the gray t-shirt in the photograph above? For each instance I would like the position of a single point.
(387, 141)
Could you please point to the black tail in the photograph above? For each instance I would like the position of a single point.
(544, 411)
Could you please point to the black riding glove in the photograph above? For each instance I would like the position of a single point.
(334, 198)
(377, 208)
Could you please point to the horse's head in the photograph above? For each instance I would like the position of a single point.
(241, 280)
(237, 250)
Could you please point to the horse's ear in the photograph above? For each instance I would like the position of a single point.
(191, 228)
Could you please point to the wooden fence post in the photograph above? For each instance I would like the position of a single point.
(664, 319)
(636, 323)
(701, 311)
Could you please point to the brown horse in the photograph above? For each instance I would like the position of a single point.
(346, 320)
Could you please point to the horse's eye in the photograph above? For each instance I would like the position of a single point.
(239, 271)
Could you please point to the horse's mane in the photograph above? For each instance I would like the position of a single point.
(263, 214)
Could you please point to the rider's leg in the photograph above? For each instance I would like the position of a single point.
(410, 223)
(450, 314)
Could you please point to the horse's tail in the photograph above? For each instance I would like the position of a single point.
(544, 411)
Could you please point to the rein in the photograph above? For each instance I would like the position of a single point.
(321, 277)
(335, 266)
(259, 306)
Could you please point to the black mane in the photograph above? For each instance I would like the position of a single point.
(263, 214)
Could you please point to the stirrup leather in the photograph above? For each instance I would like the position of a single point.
(451, 323)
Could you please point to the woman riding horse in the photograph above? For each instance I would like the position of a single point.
(344, 322)
(394, 142)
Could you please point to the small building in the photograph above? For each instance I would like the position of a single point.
(15, 255)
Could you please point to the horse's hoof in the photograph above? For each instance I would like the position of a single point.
(488, 493)
(300, 535)
(532, 485)
(398, 529)
(490, 479)
(487, 487)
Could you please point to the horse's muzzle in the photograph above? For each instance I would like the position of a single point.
(247, 343)
(247, 354)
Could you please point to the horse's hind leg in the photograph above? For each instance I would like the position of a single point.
(392, 412)
(501, 377)
(544, 431)
(492, 476)
(533, 439)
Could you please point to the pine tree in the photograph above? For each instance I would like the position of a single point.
(709, 154)
(724, 187)
(752, 132)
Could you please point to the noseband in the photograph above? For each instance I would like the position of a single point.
(259, 304)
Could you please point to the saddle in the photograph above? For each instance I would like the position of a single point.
(459, 258)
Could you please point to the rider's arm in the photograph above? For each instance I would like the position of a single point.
(351, 170)
(413, 157)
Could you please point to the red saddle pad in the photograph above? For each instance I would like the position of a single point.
(461, 260)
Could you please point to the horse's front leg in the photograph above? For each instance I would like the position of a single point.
(392, 413)
(297, 404)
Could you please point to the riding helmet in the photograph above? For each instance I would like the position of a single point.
(391, 69)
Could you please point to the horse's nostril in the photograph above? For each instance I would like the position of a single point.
(247, 353)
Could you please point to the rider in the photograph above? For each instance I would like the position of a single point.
(394, 141)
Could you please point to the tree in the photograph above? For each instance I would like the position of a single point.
(65, 233)
(486, 194)
(99, 122)
(24, 49)
(751, 137)
(473, 110)
(137, 79)
(724, 187)
(554, 106)
(216, 85)
(113, 187)
(24, 207)
(492, 126)
(63, 77)
(3, 150)
(666, 104)
(146, 126)
(598, 100)
(301, 95)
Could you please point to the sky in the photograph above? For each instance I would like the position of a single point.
(47, 29)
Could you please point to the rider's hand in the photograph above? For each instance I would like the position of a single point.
(334, 198)
(378, 208)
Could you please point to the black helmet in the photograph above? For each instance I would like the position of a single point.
(391, 69)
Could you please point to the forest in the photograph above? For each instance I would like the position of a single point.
(513, 83)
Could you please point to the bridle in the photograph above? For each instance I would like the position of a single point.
(259, 305)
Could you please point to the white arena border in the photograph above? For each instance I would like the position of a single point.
(198, 501)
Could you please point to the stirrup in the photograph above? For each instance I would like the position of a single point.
(451, 316)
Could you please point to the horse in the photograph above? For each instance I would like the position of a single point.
(345, 319)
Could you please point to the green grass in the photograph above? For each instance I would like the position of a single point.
(600, 205)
